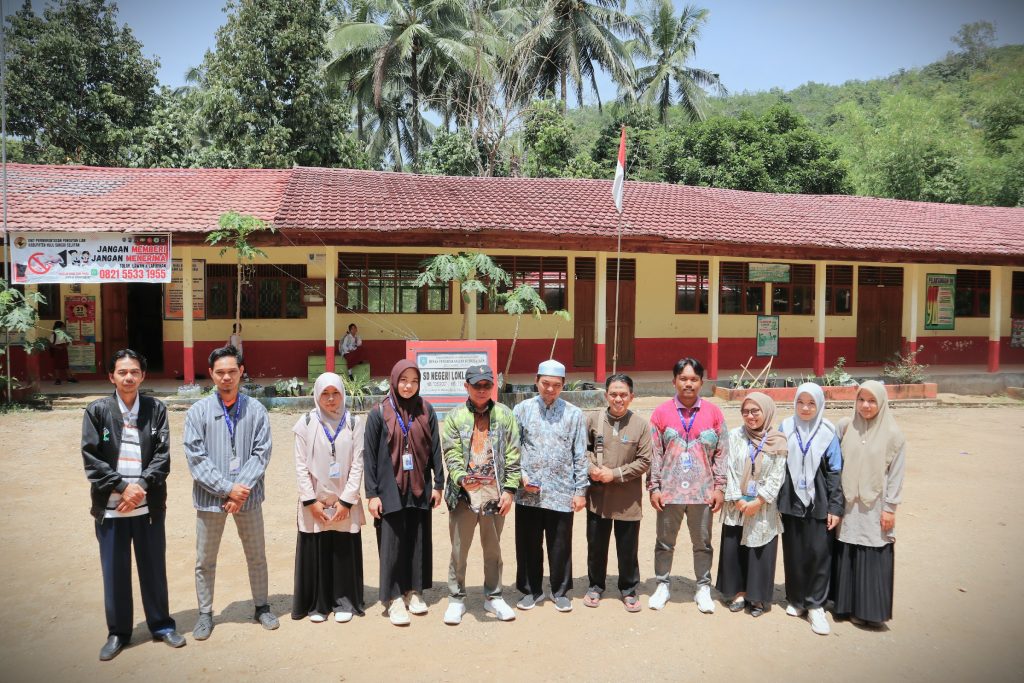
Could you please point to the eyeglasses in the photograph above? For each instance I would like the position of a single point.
(750, 411)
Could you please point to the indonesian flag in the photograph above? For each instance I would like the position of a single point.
(620, 172)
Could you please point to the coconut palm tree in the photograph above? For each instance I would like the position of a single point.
(669, 43)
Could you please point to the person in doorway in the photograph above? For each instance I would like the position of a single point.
(329, 472)
(126, 451)
(553, 449)
(235, 338)
(59, 341)
(751, 523)
(351, 347)
(404, 480)
(228, 445)
(481, 453)
(619, 450)
(812, 504)
(687, 479)
(874, 462)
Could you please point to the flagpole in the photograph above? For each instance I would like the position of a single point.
(618, 268)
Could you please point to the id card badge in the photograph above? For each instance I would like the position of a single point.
(235, 465)
(803, 483)
(335, 470)
(687, 463)
(752, 488)
(407, 461)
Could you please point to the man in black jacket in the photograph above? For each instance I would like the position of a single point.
(126, 451)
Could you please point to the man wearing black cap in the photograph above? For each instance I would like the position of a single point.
(481, 453)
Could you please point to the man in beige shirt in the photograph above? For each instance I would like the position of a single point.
(619, 451)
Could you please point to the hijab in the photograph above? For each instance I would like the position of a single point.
(816, 436)
(413, 414)
(775, 442)
(328, 379)
(868, 447)
(313, 428)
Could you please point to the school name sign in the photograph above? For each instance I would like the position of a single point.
(52, 257)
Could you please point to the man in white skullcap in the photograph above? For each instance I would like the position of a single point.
(553, 452)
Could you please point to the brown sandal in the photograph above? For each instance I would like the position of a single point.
(592, 599)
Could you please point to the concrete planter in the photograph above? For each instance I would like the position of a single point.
(780, 395)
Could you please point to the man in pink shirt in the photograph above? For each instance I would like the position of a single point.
(687, 478)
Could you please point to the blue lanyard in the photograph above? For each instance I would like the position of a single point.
(228, 420)
(331, 439)
(755, 451)
(401, 422)
(688, 427)
(800, 443)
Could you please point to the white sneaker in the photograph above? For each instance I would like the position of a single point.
(499, 608)
(397, 613)
(416, 604)
(819, 624)
(317, 618)
(453, 615)
(342, 617)
(703, 600)
(795, 611)
(660, 597)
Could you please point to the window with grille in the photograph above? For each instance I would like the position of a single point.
(838, 290)
(268, 290)
(973, 291)
(386, 283)
(795, 297)
(1017, 294)
(880, 276)
(691, 286)
(736, 294)
(546, 274)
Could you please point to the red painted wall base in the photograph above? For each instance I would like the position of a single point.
(819, 358)
(189, 364)
(712, 366)
(993, 356)
(600, 362)
(329, 356)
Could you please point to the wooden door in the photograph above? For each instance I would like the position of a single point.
(583, 315)
(879, 313)
(115, 321)
(583, 320)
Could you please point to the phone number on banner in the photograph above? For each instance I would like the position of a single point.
(133, 274)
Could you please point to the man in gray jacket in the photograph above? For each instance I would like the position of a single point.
(227, 443)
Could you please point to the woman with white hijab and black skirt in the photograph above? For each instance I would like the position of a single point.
(329, 472)
(811, 503)
(404, 480)
(750, 518)
(874, 461)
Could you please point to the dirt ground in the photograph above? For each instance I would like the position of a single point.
(958, 605)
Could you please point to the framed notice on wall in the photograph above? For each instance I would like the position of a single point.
(768, 272)
(174, 297)
(939, 301)
(80, 318)
(1017, 333)
(767, 335)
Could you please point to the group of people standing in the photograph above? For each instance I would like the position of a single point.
(803, 479)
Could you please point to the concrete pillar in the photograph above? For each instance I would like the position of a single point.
(995, 317)
(330, 307)
(911, 289)
(187, 340)
(713, 292)
(600, 316)
(820, 308)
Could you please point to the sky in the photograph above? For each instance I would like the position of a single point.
(752, 44)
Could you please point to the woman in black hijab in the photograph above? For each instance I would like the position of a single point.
(404, 480)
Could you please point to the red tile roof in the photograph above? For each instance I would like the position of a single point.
(137, 199)
(350, 201)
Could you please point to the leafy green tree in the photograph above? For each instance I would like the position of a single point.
(265, 100)
(670, 44)
(235, 232)
(476, 273)
(78, 85)
(549, 139)
(452, 154)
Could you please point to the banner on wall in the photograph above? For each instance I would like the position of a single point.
(80, 321)
(767, 335)
(174, 295)
(940, 301)
(91, 257)
(443, 366)
(768, 272)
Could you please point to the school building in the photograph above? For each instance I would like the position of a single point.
(701, 269)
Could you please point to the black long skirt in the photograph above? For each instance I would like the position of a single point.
(863, 579)
(406, 552)
(746, 570)
(328, 574)
(807, 557)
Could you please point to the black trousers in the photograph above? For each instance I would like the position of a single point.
(406, 552)
(116, 538)
(627, 547)
(807, 557)
(533, 526)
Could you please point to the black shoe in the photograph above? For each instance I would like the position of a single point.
(757, 609)
(112, 649)
(172, 638)
(72, 380)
